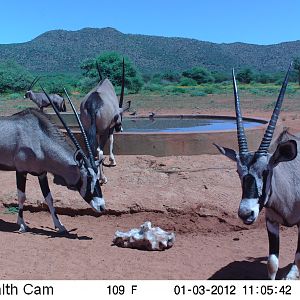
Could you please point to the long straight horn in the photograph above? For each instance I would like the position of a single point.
(123, 85)
(99, 71)
(83, 132)
(242, 139)
(70, 133)
(266, 141)
(35, 80)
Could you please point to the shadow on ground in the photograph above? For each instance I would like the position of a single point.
(45, 231)
(251, 269)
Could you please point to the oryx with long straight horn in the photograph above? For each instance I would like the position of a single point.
(42, 101)
(101, 113)
(31, 144)
(270, 180)
(93, 193)
(86, 142)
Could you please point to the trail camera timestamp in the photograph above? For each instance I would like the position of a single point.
(232, 289)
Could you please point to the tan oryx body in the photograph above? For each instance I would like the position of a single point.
(41, 100)
(270, 180)
(30, 143)
(101, 114)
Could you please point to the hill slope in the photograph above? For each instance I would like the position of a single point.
(62, 51)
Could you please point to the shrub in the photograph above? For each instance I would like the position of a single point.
(200, 75)
(110, 64)
(185, 81)
(13, 77)
(245, 76)
(171, 77)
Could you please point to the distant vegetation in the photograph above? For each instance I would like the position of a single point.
(110, 64)
(61, 51)
(196, 81)
(297, 67)
(13, 77)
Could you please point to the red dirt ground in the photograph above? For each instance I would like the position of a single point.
(196, 197)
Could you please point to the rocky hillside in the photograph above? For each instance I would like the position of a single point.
(62, 51)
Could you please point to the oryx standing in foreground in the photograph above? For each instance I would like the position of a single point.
(31, 143)
(269, 180)
(101, 113)
(42, 101)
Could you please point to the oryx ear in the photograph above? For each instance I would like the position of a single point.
(78, 157)
(230, 153)
(285, 151)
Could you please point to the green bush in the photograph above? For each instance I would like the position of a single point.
(210, 90)
(171, 77)
(200, 75)
(185, 81)
(85, 84)
(13, 96)
(110, 64)
(263, 78)
(296, 63)
(55, 83)
(245, 76)
(156, 78)
(13, 77)
(220, 77)
(152, 87)
(176, 90)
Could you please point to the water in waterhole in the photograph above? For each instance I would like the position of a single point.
(181, 124)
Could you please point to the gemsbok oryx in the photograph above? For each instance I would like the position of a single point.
(101, 113)
(31, 143)
(270, 180)
(42, 101)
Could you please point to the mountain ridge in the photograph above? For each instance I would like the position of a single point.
(62, 51)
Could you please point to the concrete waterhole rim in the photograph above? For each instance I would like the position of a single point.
(178, 143)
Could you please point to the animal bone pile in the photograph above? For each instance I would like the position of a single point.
(145, 238)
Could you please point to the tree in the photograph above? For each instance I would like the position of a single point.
(263, 78)
(245, 76)
(220, 76)
(296, 63)
(171, 76)
(110, 64)
(199, 74)
(13, 77)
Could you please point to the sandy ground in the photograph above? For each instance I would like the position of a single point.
(196, 197)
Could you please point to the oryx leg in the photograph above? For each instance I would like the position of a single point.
(294, 272)
(21, 185)
(101, 142)
(43, 180)
(111, 145)
(273, 262)
(101, 176)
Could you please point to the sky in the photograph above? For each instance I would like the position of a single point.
(221, 21)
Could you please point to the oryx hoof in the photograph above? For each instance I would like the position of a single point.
(112, 163)
(103, 181)
(23, 228)
(288, 277)
(293, 274)
(62, 230)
